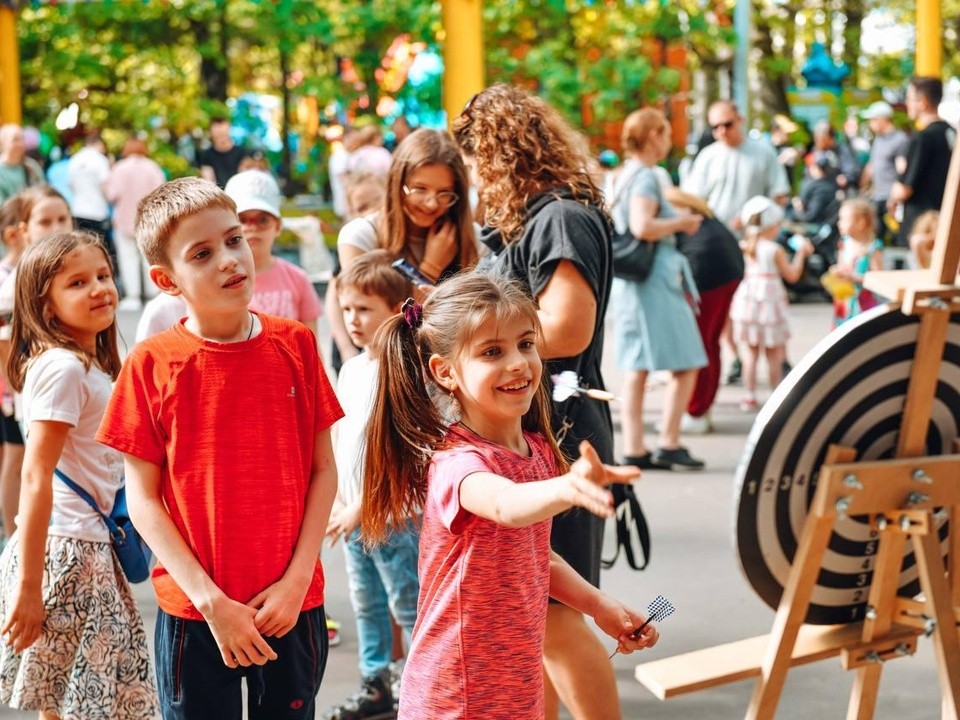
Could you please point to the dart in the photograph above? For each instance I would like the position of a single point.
(567, 385)
(659, 609)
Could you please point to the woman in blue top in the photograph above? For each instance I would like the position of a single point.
(656, 328)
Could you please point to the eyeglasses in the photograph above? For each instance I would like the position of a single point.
(420, 196)
(726, 125)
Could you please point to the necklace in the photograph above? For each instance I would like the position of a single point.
(252, 323)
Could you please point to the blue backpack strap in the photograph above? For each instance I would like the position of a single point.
(86, 497)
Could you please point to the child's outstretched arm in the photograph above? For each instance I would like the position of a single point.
(26, 615)
(231, 622)
(613, 617)
(505, 502)
(278, 606)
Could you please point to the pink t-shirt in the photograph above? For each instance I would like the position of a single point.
(286, 291)
(131, 180)
(478, 643)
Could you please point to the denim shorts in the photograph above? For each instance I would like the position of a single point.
(194, 683)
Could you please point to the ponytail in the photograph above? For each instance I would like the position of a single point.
(403, 429)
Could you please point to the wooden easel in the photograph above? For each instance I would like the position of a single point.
(900, 496)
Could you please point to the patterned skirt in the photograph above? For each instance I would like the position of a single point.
(91, 661)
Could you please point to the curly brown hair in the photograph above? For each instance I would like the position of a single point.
(522, 147)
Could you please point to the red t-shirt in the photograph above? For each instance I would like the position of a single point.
(232, 427)
(477, 647)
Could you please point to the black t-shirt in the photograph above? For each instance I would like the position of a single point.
(928, 160)
(224, 164)
(561, 228)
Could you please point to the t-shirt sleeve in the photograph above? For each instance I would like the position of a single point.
(56, 382)
(448, 470)
(360, 233)
(130, 422)
(565, 230)
(310, 307)
(914, 161)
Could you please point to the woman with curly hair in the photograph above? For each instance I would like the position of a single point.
(545, 227)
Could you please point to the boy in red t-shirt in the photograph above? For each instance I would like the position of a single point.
(224, 420)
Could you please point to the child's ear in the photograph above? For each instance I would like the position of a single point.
(162, 278)
(442, 371)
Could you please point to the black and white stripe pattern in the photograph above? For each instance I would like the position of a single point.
(849, 390)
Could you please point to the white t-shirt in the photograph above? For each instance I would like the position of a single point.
(58, 387)
(161, 313)
(356, 386)
(727, 177)
(86, 173)
(360, 232)
(7, 292)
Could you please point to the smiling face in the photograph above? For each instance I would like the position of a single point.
(426, 195)
(496, 375)
(363, 314)
(210, 263)
(83, 298)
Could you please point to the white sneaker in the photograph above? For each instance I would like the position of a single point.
(691, 425)
(130, 305)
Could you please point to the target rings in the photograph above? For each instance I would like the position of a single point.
(849, 391)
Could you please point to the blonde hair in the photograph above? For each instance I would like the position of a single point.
(523, 148)
(420, 148)
(862, 209)
(926, 223)
(33, 195)
(355, 181)
(160, 213)
(640, 126)
(405, 425)
(34, 330)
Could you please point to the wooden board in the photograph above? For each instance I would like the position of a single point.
(741, 660)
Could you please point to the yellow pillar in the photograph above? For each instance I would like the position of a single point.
(462, 53)
(929, 45)
(9, 67)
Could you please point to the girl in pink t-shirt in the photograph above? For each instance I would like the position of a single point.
(487, 485)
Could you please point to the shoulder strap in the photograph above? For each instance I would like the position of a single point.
(87, 498)
(623, 188)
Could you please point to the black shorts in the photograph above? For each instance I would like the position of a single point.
(10, 430)
(193, 682)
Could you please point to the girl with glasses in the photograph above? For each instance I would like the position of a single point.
(426, 215)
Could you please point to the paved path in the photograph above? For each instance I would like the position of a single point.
(696, 566)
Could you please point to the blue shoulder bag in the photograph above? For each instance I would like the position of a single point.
(132, 552)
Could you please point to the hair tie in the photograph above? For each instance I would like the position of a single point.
(412, 313)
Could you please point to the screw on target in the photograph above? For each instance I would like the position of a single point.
(658, 610)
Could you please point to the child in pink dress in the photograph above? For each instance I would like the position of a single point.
(759, 308)
(488, 485)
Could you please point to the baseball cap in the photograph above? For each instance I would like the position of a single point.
(254, 190)
(768, 211)
(879, 109)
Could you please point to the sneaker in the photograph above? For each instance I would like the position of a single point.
(691, 425)
(678, 458)
(736, 370)
(749, 404)
(374, 701)
(644, 462)
(333, 632)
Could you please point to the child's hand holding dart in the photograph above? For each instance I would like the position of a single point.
(620, 622)
(658, 610)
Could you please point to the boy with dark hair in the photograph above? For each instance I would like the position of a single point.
(920, 187)
(224, 420)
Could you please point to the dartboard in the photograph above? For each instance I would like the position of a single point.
(849, 390)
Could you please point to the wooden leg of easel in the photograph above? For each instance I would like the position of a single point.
(946, 641)
(793, 605)
(883, 592)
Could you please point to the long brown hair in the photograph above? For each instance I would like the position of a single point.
(523, 147)
(32, 331)
(427, 147)
(405, 425)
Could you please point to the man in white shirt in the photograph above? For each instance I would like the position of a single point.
(87, 172)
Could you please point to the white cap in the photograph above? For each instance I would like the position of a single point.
(770, 213)
(254, 190)
(879, 109)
